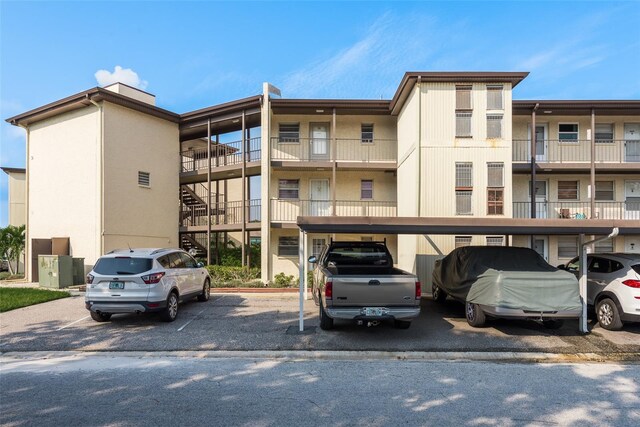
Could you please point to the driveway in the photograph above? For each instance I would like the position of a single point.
(270, 322)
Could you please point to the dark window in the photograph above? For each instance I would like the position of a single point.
(366, 189)
(288, 246)
(288, 188)
(122, 266)
(366, 133)
(568, 132)
(636, 268)
(187, 261)
(175, 261)
(604, 133)
(289, 132)
(604, 190)
(495, 201)
(165, 261)
(604, 265)
(567, 190)
(567, 246)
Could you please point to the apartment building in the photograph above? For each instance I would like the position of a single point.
(447, 145)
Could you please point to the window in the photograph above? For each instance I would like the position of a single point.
(144, 179)
(288, 188)
(366, 238)
(366, 133)
(604, 246)
(494, 98)
(568, 190)
(463, 125)
(463, 111)
(603, 265)
(187, 260)
(366, 189)
(463, 241)
(495, 188)
(289, 133)
(568, 132)
(495, 241)
(604, 190)
(288, 246)
(317, 246)
(463, 98)
(567, 246)
(464, 188)
(604, 133)
(494, 125)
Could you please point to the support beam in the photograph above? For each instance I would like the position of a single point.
(244, 188)
(533, 167)
(592, 195)
(301, 285)
(334, 162)
(208, 191)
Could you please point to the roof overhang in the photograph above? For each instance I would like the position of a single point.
(224, 118)
(457, 226)
(326, 106)
(83, 100)
(577, 107)
(9, 171)
(411, 78)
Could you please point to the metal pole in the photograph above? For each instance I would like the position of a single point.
(244, 189)
(533, 167)
(593, 164)
(301, 261)
(208, 191)
(334, 158)
(304, 258)
(583, 285)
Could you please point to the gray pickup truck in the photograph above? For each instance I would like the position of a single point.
(357, 281)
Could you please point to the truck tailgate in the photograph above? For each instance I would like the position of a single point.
(383, 291)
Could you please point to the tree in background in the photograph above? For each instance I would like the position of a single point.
(12, 242)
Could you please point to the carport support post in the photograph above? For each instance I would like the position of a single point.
(583, 286)
(301, 285)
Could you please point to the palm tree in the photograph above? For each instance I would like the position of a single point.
(5, 246)
(15, 239)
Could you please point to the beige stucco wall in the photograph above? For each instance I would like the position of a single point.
(521, 185)
(64, 190)
(134, 215)
(17, 186)
(521, 124)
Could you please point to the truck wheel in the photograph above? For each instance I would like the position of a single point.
(475, 315)
(438, 294)
(401, 324)
(100, 317)
(326, 322)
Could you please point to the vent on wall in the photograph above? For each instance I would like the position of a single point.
(143, 179)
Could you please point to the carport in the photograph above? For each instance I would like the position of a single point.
(453, 226)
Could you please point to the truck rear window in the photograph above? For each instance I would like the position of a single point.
(366, 255)
(123, 265)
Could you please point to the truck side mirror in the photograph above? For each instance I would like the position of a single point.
(313, 259)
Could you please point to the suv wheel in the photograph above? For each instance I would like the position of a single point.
(475, 315)
(438, 294)
(100, 317)
(608, 315)
(206, 291)
(171, 310)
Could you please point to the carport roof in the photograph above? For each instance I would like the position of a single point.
(500, 226)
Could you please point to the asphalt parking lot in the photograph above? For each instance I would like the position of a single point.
(270, 322)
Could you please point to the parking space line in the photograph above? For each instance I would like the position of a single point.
(194, 318)
(73, 323)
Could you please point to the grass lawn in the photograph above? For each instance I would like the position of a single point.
(12, 298)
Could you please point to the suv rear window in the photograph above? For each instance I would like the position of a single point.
(123, 265)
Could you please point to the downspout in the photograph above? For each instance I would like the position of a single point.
(419, 174)
(101, 161)
(27, 252)
(533, 167)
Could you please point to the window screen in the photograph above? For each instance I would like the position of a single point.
(463, 98)
(568, 132)
(494, 126)
(567, 246)
(463, 124)
(604, 133)
(495, 241)
(464, 175)
(366, 189)
(604, 246)
(494, 98)
(366, 133)
(463, 241)
(495, 172)
(567, 190)
(288, 246)
(604, 190)
(463, 203)
(289, 132)
(288, 188)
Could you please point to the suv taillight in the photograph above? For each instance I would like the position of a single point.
(632, 283)
(328, 290)
(152, 278)
(89, 279)
(418, 290)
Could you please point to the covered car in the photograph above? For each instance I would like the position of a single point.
(509, 282)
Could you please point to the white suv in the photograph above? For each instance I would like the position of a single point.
(144, 280)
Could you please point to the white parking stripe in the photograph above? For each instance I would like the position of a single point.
(73, 323)
(194, 318)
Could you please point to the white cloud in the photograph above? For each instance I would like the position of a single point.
(122, 75)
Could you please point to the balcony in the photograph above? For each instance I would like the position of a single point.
(578, 210)
(225, 157)
(577, 151)
(349, 152)
(287, 211)
(224, 216)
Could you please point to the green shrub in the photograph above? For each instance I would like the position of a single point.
(225, 276)
(281, 280)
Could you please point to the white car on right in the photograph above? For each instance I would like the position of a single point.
(613, 287)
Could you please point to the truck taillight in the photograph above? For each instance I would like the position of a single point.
(328, 290)
(152, 278)
(632, 283)
(89, 279)
(418, 290)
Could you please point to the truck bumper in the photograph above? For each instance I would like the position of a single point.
(358, 313)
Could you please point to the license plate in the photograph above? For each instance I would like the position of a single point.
(373, 311)
(116, 285)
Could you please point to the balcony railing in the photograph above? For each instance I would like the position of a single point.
(285, 210)
(221, 213)
(320, 149)
(228, 153)
(578, 210)
(577, 151)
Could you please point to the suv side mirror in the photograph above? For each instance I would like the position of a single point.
(200, 264)
(313, 259)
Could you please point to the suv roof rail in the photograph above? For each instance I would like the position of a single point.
(157, 251)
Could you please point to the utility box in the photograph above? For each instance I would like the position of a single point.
(78, 271)
(55, 271)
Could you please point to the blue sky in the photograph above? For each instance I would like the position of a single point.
(196, 54)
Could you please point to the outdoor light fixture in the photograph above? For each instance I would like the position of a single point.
(319, 111)
(547, 111)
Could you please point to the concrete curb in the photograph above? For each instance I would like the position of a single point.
(294, 355)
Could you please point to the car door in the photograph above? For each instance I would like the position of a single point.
(597, 277)
(175, 270)
(189, 270)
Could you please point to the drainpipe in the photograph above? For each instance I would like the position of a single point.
(533, 167)
(101, 161)
(592, 195)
